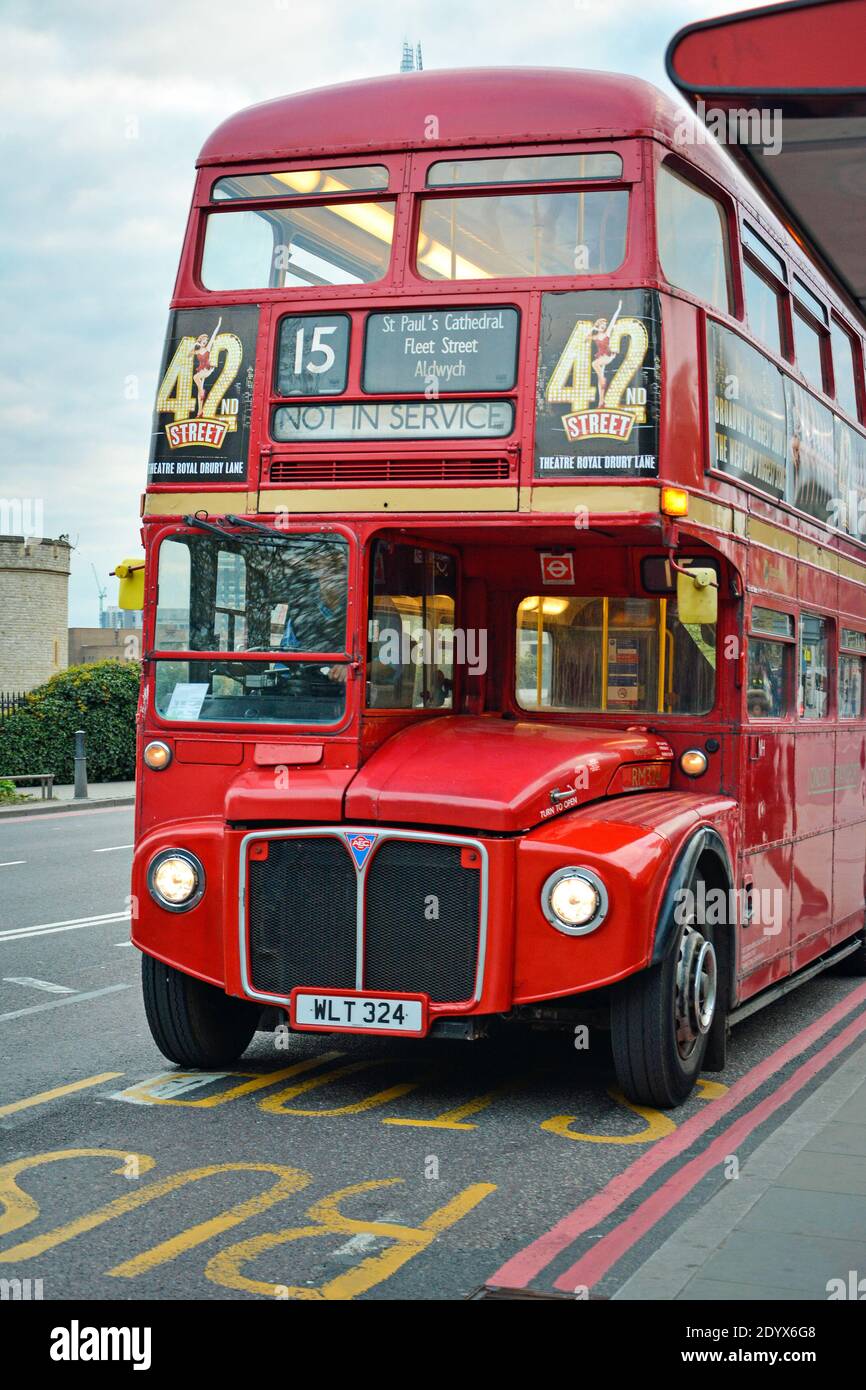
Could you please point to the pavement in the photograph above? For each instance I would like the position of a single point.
(64, 799)
(790, 1224)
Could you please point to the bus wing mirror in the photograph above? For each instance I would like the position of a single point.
(130, 590)
(697, 595)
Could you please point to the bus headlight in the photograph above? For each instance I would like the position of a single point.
(157, 755)
(574, 900)
(175, 879)
(694, 762)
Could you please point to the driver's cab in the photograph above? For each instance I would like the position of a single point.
(256, 625)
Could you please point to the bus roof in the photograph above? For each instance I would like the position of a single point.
(480, 106)
(803, 60)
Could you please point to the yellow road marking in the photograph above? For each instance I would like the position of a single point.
(224, 1267)
(19, 1208)
(289, 1180)
(44, 1096)
(657, 1125)
(710, 1090)
(453, 1119)
(276, 1105)
(143, 1091)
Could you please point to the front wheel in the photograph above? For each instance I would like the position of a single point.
(661, 1020)
(193, 1023)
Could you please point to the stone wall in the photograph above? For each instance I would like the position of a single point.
(34, 611)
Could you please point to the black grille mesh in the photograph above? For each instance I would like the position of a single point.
(422, 918)
(422, 921)
(302, 916)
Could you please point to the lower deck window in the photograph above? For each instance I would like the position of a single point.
(851, 685)
(766, 688)
(250, 692)
(613, 655)
(814, 689)
(411, 638)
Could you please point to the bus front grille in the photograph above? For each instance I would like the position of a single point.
(302, 916)
(421, 921)
(421, 911)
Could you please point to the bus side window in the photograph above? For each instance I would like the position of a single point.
(767, 681)
(814, 693)
(852, 676)
(693, 240)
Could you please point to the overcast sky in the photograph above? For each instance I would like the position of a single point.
(103, 108)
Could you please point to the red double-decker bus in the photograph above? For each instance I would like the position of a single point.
(505, 589)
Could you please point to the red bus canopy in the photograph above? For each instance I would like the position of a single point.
(807, 61)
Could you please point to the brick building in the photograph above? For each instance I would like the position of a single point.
(34, 610)
(104, 644)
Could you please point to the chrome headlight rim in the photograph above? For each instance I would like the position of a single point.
(198, 869)
(589, 875)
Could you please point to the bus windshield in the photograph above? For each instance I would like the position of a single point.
(612, 655)
(238, 595)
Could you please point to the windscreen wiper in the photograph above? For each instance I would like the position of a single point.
(203, 525)
(206, 525)
(269, 531)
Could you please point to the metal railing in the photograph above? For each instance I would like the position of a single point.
(11, 700)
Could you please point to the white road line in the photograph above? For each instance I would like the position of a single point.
(10, 863)
(38, 984)
(73, 924)
(58, 1003)
(109, 849)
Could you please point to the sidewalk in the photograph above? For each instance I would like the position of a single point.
(101, 794)
(793, 1221)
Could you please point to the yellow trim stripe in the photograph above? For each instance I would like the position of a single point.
(393, 499)
(605, 501)
(181, 503)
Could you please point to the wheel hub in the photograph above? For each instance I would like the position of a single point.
(697, 987)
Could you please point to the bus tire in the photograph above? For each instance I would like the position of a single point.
(193, 1023)
(661, 1020)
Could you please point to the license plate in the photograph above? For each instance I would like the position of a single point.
(325, 1011)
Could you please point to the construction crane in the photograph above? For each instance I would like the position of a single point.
(411, 60)
(102, 593)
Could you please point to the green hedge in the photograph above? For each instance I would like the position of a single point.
(100, 698)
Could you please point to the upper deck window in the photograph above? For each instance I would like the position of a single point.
(811, 301)
(303, 183)
(763, 308)
(335, 244)
(520, 235)
(533, 168)
(759, 248)
(807, 347)
(844, 370)
(693, 240)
